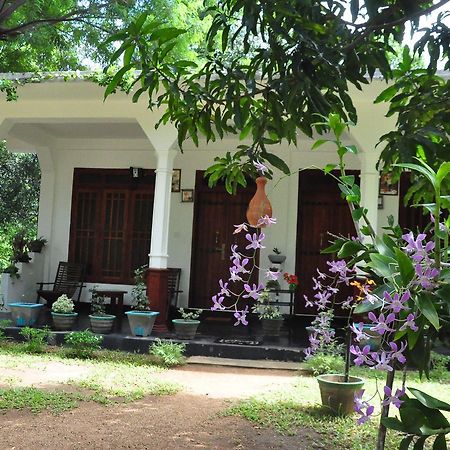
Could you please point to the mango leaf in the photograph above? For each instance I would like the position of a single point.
(426, 306)
(277, 162)
(406, 266)
(428, 400)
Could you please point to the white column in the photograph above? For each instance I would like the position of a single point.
(370, 179)
(161, 209)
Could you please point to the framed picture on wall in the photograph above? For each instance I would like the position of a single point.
(187, 195)
(380, 202)
(176, 180)
(387, 186)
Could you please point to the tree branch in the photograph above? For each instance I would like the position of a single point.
(384, 25)
(6, 13)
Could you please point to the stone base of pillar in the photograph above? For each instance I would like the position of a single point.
(157, 292)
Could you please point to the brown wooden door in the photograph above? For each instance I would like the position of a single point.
(409, 217)
(215, 213)
(320, 210)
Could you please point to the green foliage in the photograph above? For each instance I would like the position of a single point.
(321, 363)
(193, 314)
(63, 305)
(421, 419)
(36, 339)
(300, 58)
(168, 353)
(139, 291)
(82, 344)
(439, 366)
(98, 307)
(3, 324)
(37, 400)
(264, 308)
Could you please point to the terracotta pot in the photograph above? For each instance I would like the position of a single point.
(259, 205)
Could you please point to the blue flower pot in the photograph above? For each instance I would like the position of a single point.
(25, 314)
(141, 322)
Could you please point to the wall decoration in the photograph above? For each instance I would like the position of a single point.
(187, 195)
(387, 186)
(176, 180)
(380, 202)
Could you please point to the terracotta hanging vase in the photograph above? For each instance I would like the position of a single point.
(259, 205)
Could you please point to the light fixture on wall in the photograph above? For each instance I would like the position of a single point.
(135, 172)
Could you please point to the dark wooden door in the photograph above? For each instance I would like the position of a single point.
(409, 217)
(215, 213)
(320, 210)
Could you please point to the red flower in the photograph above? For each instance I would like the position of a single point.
(291, 279)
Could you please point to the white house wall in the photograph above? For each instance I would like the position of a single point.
(42, 119)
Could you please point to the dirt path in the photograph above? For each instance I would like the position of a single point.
(188, 420)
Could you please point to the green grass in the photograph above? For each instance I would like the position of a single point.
(112, 376)
(37, 400)
(297, 409)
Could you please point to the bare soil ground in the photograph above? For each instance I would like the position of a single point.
(188, 420)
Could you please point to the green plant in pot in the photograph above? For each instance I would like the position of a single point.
(276, 257)
(273, 284)
(270, 315)
(186, 327)
(20, 247)
(100, 321)
(141, 319)
(63, 314)
(36, 245)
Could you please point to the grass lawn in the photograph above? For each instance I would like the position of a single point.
(110, 377)
(297, 408)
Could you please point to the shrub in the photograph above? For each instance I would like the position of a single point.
(3, 325)
(36, 339)
(439, 366)
(321, 363)
(63, 305)
(168, 353)
(82, 344)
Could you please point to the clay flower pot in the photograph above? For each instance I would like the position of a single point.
(259, 205)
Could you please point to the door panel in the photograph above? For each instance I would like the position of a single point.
(320, 210)
(215, 213)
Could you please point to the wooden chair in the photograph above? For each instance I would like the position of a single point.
(69, 278)
(173, 284)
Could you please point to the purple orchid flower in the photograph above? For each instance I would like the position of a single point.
(241, 317)
(240, 227)
(398, 353)
(217, 303)
(393, 398)
(239, 266)
(253, 291)
(234, 276)
(273, 274)
(362, 355)
(234, 253)
(416, 248)
(426, 277)
(224, 289)
(255, 240)
(308, 303)
(382, 361)
(359, 407)
(260, 167)
(358, 329)
(266, 221)
(381, 323)
(396, 303)
(409, 323)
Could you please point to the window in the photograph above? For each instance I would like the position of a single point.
(111, 222)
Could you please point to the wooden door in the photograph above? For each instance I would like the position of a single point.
(409, 217)
(320, 210)
(215, 213)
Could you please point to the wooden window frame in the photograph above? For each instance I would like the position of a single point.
(136, 211)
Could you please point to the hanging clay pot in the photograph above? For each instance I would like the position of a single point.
(259, 205)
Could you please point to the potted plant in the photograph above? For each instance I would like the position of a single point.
(273, 284)
(36, 245)
(63, 314)
(12, 270)
(20, 247)
(270, 315)
(25, 314)
(101, 322)
(276, 257)
(186, 327)
(292, 281)
(141, 318)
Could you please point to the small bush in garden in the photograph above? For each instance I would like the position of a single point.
(36, 339)
(3, 325)
(64, 305)
(321, 363)
(439, 366)
(168, 353)
(82, 344)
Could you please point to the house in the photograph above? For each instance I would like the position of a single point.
(108, 197)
